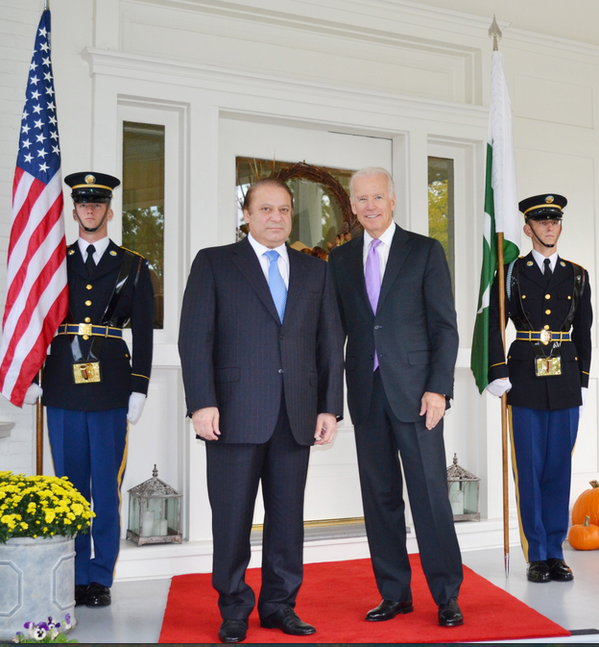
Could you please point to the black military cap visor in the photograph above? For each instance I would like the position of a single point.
(91, 187)
(543, 207)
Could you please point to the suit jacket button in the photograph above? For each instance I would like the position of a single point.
(281, 370)
(282, 337)
(377, 327)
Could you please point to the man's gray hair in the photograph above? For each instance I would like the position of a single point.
(370, 171)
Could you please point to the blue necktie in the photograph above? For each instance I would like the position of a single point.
(277, 286)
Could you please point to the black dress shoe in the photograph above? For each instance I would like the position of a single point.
(287, 621)
(559, 571)
(98, 595)
(388, 609)
(80, 594)
(233, 631)
(450, 614)
(538, 572)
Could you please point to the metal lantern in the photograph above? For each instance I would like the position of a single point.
(463, 488)
(154, 512)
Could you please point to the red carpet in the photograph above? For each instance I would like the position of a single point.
(335, 597)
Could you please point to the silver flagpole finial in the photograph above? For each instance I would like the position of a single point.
(495, 32)
(45, 5)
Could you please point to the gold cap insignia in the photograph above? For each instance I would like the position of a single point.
(90, 179)
(549, 199)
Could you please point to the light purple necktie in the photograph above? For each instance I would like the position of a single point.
(372, 275)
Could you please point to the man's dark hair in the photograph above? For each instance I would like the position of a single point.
(263, 182)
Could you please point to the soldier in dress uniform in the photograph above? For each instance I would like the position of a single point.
(92, 385)
(547, 374)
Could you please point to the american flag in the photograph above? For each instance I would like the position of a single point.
(36, 285)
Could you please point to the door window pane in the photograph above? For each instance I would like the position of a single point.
(143, 202)
(441, 207)
(318, 216)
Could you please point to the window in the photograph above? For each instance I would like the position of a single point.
(441, 207)
(143, 201)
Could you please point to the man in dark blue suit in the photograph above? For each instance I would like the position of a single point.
(91, 386)
(262, 358)
(396, 305)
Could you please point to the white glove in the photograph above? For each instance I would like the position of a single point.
(136, 406)
(33, 393)
(499, 386)
(583, 395)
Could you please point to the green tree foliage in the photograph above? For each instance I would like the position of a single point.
(438, 224)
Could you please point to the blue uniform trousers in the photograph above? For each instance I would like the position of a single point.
(542, 445)
(90, 448)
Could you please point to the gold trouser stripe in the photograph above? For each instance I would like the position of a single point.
(119, 480)
(523, 539)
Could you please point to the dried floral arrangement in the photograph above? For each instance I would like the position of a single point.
(350, 227)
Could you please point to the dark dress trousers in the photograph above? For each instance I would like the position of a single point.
(544, 411)
(87, 423)
(269, 381)
(415, 335)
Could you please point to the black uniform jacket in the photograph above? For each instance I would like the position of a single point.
(414, 329)
(546, 307)
(88, 298)
(236, 355)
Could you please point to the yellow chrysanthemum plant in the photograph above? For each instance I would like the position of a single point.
(41, 506)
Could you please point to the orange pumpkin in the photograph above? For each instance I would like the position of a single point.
(584, 536)
(587, 504)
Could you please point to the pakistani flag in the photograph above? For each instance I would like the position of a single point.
(501, 212)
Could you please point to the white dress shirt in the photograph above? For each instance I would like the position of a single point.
(100, 246)
(383, 249)
(540, 259)
(282, 262)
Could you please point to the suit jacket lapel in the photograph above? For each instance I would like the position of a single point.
(400, 248)
(246, 260)
(75, 260)
(533, 272)
(298, 270)
(355, 269)
(111, 259)
(560, 273)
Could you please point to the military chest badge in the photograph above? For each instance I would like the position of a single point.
(548, 366)
(87, 372)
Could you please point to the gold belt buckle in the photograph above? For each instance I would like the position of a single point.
(548, 366)
(545, 336)
(87, 372)
(85, 329)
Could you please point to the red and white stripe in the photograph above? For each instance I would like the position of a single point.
(37, 289)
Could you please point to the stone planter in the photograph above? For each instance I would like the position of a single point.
(37, 579)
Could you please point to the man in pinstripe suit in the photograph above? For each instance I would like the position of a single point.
(262, 357)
